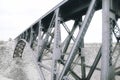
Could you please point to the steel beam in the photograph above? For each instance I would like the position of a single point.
(93, 67)
(117, 56)
(71, 72)
(116, 29)
(31, 36)
(79, 39)
(83, 68)
(82, 54)
(73, 10)
(39, 38)
(44, 66)
(75, 75)
(56, 47)
(106, 40)
(26, 35)
(41, 74)
(69, 37)
(87, 66)
(72, 31)
(44, 42)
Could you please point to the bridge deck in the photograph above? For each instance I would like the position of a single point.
(69, 9)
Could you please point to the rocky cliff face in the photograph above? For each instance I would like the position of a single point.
(5, 59)
(16, 68)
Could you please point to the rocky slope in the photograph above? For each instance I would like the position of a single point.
(27, 68)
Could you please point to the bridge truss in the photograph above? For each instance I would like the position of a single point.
(46, 34)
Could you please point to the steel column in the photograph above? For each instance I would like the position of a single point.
(56, 47)
(31, 36)
(106, 41)
(39, 38)
(83, 70)
(44, 42)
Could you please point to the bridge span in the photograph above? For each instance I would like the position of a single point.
(45, 34)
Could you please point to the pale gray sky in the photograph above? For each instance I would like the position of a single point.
(17, 15)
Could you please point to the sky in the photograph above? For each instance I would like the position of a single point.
(18, 15)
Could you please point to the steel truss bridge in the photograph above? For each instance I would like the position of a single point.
(46, 34)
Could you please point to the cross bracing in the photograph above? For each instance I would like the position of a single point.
(62, 60)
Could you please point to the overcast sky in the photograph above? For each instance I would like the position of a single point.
(17, 15)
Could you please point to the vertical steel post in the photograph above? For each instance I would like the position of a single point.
(25, 35)
(81, 51)
(106, 40)
(83, 70)
(38, 47)
(39, 38)
(56, 47)
(44, 42)
(31, 37)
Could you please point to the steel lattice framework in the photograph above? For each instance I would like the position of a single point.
(46, 34)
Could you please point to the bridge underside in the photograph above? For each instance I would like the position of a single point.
(45, 34)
